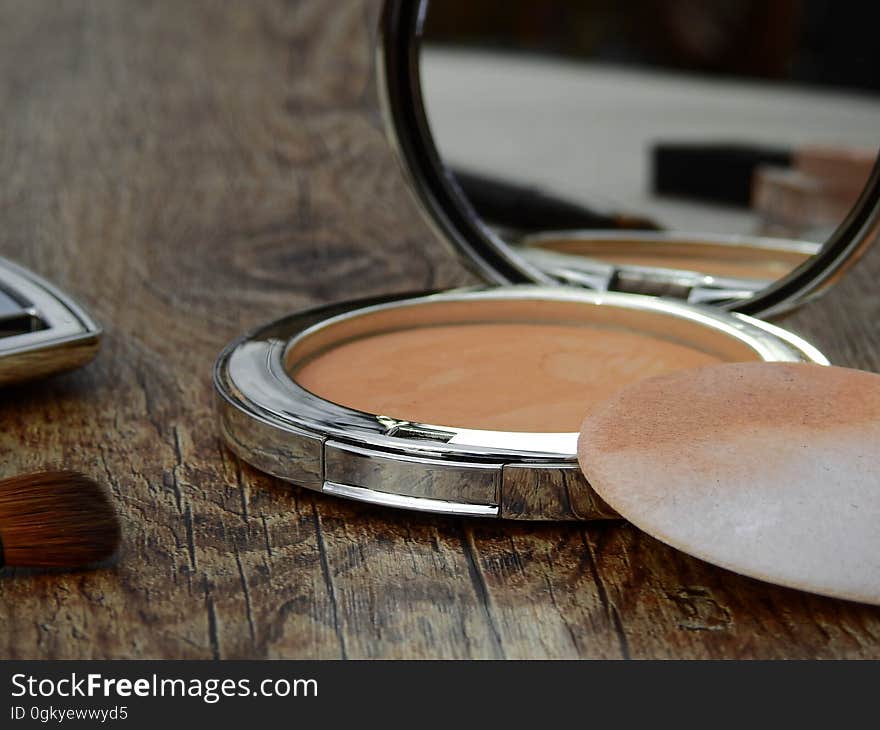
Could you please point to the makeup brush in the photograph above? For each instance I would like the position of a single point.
(55, 519)
(528, 209)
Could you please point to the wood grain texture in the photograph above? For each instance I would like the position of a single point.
(190, 170)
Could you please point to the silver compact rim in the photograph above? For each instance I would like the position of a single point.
(279, 427)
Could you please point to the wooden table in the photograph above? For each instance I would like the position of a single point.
(190, 170)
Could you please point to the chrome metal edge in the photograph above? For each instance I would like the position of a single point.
(811, 354)
(457, 481)
(69, 338)
(417, 504)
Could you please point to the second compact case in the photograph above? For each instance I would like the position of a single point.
(468, 402)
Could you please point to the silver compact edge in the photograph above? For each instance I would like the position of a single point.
(42, 331)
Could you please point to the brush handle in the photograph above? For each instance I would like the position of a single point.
(529, 209)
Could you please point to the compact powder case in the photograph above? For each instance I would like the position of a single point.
(42, 330)
(466, 402)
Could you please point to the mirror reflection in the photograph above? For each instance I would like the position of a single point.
(724, 140)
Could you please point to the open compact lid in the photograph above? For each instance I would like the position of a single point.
(624, 256)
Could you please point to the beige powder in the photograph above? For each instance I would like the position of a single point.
(496, 376)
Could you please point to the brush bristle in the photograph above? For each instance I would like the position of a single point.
(57, 519)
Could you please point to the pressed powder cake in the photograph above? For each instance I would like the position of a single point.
(504, 376)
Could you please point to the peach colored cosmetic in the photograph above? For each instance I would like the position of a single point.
(508, 376)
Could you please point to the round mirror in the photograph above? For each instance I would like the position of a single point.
(718, 152)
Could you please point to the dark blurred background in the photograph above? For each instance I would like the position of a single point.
(811, 42)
